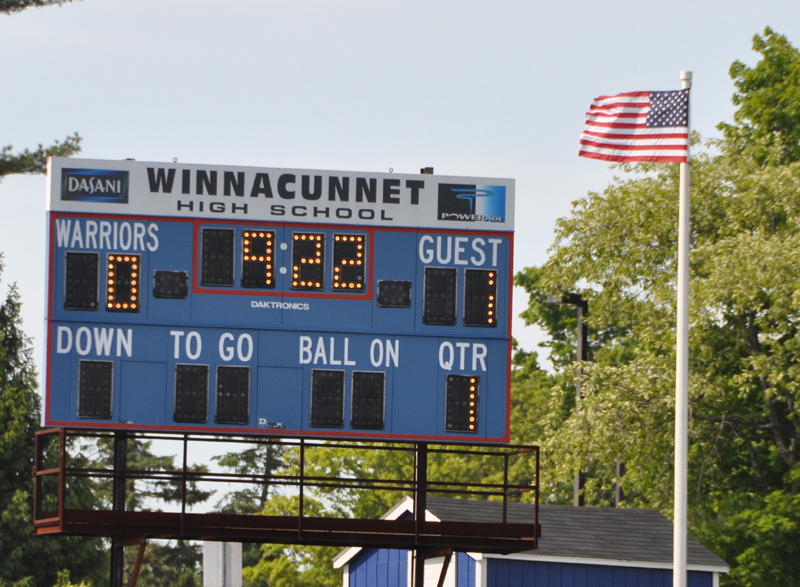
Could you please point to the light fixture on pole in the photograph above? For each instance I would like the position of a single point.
(582, 307)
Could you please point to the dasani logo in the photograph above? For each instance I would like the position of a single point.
(94, 185)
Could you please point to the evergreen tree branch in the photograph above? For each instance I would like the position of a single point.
(35, 162)
(12, 6)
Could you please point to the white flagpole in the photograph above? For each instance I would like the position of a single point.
(679, 578)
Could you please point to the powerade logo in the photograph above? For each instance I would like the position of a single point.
(472, 203)
(94, 185)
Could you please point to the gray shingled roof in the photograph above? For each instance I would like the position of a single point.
(584, 532)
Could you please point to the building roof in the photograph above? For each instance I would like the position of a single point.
(586, 533)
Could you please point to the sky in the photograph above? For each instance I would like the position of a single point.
(494, 89)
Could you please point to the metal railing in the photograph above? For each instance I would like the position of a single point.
(55, 468)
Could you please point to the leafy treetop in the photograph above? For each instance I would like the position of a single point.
(768, 100)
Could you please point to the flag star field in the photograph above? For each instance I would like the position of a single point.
(669, 109)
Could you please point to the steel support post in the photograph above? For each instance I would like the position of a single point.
(420, 505)
(118, 505)
(419, 568)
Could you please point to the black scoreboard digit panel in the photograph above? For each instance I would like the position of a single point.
(238, 300)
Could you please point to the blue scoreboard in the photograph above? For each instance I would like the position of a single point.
(239, 300)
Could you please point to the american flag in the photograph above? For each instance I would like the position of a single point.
(638, 126)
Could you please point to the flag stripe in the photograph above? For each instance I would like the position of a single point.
(612, 105)
(612, 151)
(624, 96)
(634, 159)
(637, 129)
(602, 115)
(651, 143)
(646, 135)
(634, 134)
(616, 124)
(629, 127)
(640, 145)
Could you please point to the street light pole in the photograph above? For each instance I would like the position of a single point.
(582, 307)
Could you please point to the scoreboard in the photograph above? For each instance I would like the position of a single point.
(240, 300)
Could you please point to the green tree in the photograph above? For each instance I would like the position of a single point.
(294, 566)
(260, 461)
(11, 6)
(165, 564)
(768, 97)
(34, 162)
(274, 565)
(618, 249)
(21, 554)
(174, 563)
(141, 494)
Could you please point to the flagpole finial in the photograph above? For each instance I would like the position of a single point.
(686, 78)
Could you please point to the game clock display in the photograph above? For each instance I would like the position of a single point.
(243, 325)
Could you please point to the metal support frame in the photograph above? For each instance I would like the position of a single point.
(420, 555)
(42, 470)
(425, 538)
(137, 566)
(445, 565)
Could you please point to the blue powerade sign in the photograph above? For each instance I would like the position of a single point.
(272, 301)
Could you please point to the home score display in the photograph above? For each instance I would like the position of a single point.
(288, 302)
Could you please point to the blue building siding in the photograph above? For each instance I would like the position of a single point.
(379, 568)
(514, 573)
(465, 570)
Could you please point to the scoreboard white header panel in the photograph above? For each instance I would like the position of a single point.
(278, 301)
